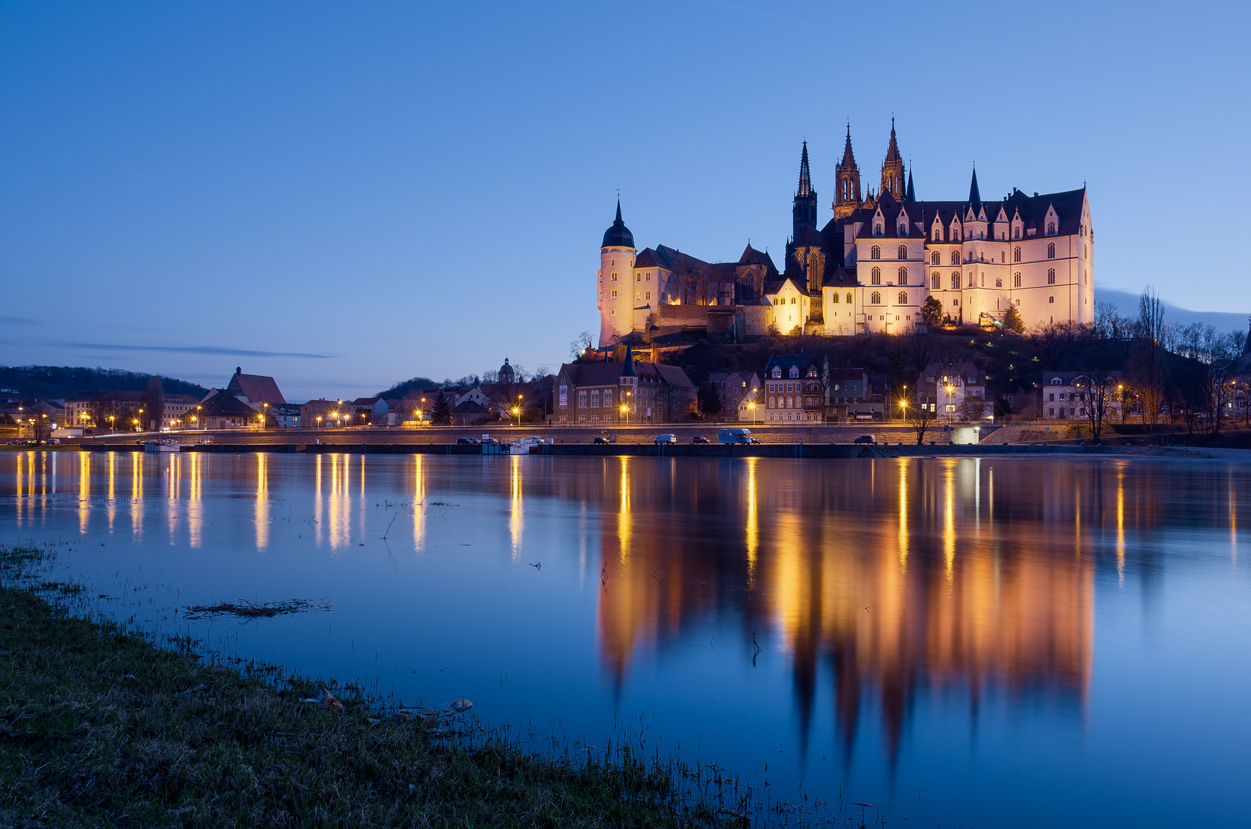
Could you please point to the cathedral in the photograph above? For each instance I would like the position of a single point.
(871, 268)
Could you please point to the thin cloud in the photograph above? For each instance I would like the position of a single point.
(204, 349)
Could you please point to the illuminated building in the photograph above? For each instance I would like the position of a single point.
(871, 268)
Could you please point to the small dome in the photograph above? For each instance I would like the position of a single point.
(618, 236)
(506, 372)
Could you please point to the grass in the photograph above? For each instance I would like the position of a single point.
(255, 610)
(100, 726)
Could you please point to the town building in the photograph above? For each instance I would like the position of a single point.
(1066, 395)
(621, 393)
(796, 389)
(871, 267)
(954, 392)
(737, 391)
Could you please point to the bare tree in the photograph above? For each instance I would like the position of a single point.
(580, 345)
(1150, 314)
(919, 418)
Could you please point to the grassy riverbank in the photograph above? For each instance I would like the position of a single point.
(99, 726)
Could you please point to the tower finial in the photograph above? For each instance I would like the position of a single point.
(805, 178)
(975, 195)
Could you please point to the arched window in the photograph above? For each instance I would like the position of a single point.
(955, 234)
(903, 276)
(877, 230)
(1016, 254)
(875, 252)
(1051, 300)
(955, 282)
(938, 233)
(955, 302)
(903, 251)
(1051, 228)
(970, 280)
(936, 282)
(935, 259)
(1051, 276)
(998, 282)
(1051, 251)
(849, 300)
(875, 298)
(1016, 232)
(955, 257)
(875, 276)
(903, 230)
(903, 297)
(1016, 280)
(834, 297)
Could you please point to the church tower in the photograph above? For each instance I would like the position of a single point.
(805, 210)
(847, 195)
(893, 168)
(615, 282)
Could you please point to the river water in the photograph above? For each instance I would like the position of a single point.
(967, 641)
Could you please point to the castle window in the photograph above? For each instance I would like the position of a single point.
(1016, 254)
(877, 230)
(903, 297)
(903, 230)
(777, 371)
(638, 277)
(875, 298)
(1051, 276)
(1051, 228)
(998, 283)
(849, 297)
(1003, 257)
(875, 252)
(614, 294)
(936, 281)
(1051, 251)
(970, 280)
(955, 234)
(938, 233)
(638, 295)
(903, 276)
(614, 276)
(955, 302)
(792, 300)
(955, 282)
(955, 257)
(875, 278)
(649, 296)
(1016, 232)
(834, 298)
(935, 259)
(1051, 300)
(903, 251)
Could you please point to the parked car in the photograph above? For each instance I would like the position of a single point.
(665, 439)
(865, 439)
(699, 439)
(467, 441)
(600, 440)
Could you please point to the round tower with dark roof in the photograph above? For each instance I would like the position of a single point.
(615, 282)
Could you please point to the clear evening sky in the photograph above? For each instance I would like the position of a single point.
(345, 195)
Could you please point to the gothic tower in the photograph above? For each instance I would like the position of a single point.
(847, 196)
(805, 210)
(893, 168)
(615, 282)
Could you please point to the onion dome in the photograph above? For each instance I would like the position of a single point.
(618, 236)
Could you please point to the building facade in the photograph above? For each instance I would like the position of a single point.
(870, 268)
(621, 394)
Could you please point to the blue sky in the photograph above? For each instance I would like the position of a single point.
(347, 195)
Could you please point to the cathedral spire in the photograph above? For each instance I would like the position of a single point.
(847, 195)
(975, 196)
(805, 179)
(893, 167)
(911, 194)
(892, 152)
(849, 158)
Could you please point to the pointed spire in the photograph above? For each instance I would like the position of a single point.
(618, 235)
(849, 158)
(627, 368)
(975, 196)
(805, 178)
(892, 152)
(911, 195)
(618, 221)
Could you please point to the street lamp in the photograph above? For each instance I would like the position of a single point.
(318, 421)
(517, 413)
(625, 411)
(949, 407)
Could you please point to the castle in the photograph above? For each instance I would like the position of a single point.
(871, 268)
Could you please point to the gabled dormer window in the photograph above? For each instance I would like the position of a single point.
(1016, 232)
(777, 371)
(1051, 228)
(903, 229)
(794, 372)
(877, 229)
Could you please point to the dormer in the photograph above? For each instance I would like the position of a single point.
(903, 223)
(777, 372)
(956, 233)
(1018, 226)
(879, 223)
(936, 230)
(794, 373)
(1051, 222)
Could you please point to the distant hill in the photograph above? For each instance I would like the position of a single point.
(1127, 305)
(401, 389)
(60, 382)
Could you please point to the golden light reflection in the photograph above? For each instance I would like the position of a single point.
(262, 501)
(84, 491)
(136, 495)
(949, 517)
(173, 493)
(903, 514)
(195, 503)
(515, 519)
(419, 508)
(112, 508)
(753, 523)
(624, 518)
(318, 512)
(1120, 523)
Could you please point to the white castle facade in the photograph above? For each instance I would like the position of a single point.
(871, 268)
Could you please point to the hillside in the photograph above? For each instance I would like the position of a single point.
(60, 382)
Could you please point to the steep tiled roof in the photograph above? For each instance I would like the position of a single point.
(256, 388)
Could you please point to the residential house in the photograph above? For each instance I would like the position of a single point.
(1066, 395)
(954, 392)
(223, 410)
(795, 387)
(733, 389)
(621, 393)
(366, 411)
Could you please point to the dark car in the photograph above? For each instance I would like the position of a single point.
(467, 441)
(699, 439)
(600, 440)
(865, 439)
